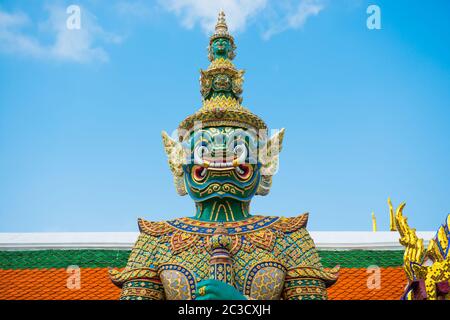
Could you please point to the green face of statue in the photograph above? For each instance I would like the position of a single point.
(221, 48)
(222, 164)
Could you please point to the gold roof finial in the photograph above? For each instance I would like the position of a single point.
(374, 222)
(392, 225)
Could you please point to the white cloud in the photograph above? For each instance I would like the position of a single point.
(295, 16)
(274, 16)
(12, 20)
(11, 39)
(134, 9)
(20, 35)
(77, 45)
(204, 12)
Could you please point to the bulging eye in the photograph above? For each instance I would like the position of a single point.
(202, 150)
(199, 153)
(240, 152)
(239, 149)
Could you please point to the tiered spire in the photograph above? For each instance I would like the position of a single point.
(221, 87)
(221, 79)
(221, 29)
(221, 26)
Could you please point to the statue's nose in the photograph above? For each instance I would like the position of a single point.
(220, 153)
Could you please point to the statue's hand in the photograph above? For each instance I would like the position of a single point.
(218, 290)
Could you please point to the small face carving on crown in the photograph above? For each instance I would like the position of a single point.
(222, 82)
(221, 48)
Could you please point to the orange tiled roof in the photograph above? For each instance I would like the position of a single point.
(352, 285)
(51, 284)
(42, 274)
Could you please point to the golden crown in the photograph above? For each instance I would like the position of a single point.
(219, 109)
(221, 29)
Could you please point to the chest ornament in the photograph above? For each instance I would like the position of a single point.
(265, 239)
(265, 281)
(178, 282)
(181, 241)
(236, 227)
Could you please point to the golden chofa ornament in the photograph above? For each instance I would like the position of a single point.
(427, 269)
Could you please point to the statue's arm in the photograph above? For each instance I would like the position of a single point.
(305, 279)
(304, 288)
(140, 280)
(148, 289)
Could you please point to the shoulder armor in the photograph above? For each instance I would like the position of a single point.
(154, 228)
(119, 277)
(329, 276)
(288, 225)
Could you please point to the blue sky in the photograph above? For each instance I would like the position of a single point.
(366, 112)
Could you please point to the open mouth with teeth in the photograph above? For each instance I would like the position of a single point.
(242, 171)
(236, 164)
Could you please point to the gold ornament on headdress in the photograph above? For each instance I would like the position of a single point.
(221, 30)
(221, 110)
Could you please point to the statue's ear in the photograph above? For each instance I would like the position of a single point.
(176, 157)
(268, 156)
(270, 151)
(275, 143)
